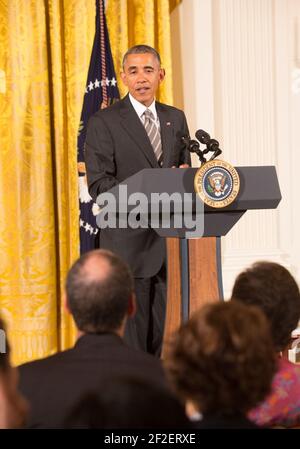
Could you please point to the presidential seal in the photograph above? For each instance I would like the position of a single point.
(217, 183)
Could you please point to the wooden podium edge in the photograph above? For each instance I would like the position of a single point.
(204, 276)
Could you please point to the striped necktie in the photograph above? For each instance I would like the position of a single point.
(153, 133)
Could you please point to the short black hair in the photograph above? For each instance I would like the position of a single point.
(272, 288)
(99, 304)
(141, 49)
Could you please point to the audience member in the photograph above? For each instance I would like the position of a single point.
(272, 288)
(99, 295)
(221, 363)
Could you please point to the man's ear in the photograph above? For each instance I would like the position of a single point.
(65, 302)
(131, 310)
(162, 74)
(123, 78)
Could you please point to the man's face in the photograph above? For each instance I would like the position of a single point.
(142, 75)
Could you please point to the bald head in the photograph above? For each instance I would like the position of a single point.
(96, 266)
(99, 286)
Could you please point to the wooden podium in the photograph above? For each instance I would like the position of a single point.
(194, 262)
(189, 289)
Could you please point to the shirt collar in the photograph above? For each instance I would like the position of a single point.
(140, 108)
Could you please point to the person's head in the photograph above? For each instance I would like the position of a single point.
(128, 403)
(142, 73)
(13, 407)
(222, 360)
(273, 289)
(99, 290)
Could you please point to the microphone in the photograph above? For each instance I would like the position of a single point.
(184, 138)
(213, 145)
(216, 154)
(191, 145)
(202, 136)
(194, 146)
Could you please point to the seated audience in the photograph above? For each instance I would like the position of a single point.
(272, 288)
(128, 403)
(13, 407)
(99, 295)
(221, 363)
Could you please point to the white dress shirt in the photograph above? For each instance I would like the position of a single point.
(141, 108)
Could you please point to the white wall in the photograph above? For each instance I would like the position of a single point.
(241, 83)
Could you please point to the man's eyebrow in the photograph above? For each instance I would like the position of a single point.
(133, 67)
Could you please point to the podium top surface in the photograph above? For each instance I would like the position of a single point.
(259, 187)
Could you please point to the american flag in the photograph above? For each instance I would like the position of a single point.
(101, 91)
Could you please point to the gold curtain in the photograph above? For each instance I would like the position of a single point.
(133, 22)
(44, 56)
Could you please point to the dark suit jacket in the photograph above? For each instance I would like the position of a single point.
(54, 384)
(117, 146)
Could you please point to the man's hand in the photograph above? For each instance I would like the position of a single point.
(182, 166)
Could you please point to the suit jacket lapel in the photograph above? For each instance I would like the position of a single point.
(166, 129)
(133, 126)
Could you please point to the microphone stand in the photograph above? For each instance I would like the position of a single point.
(194, 147)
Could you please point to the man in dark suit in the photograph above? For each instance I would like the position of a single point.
(99, 295)
(133, 134)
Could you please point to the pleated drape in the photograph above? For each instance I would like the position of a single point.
(133, 22)
(45, 49)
